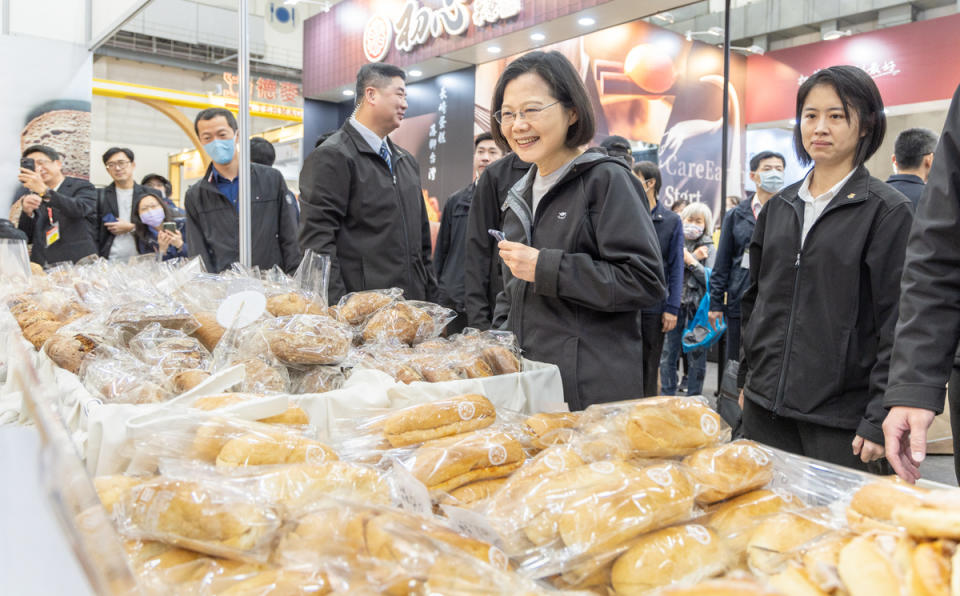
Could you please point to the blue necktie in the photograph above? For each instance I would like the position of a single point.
(386, 155)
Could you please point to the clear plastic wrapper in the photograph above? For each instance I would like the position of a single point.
(296, 303)
(729, 470)
(317, 379)
(392, 358)
(438, 419)
(133, 316)
(445, 464)
(313, 275)
(553, 428)
(263, 372)
(356, 307)
(163, 568)
(120, 377)
(308, 339)
(409, 322)
(498, 348)
(14, 261)
(172, 350)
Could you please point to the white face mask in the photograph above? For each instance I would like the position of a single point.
(692, 231)
(771, 180)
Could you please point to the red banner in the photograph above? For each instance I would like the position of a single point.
(910, 63)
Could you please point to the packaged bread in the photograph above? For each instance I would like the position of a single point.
(209, 331)
(113, 488)
(294, 303)
(871, 507)
(68, 352)
(319, 379)
(261, 377)
(866, 570)
(739, 586)
(739, 515)
(672, 426)
(408, 322)
(438, 419)
(356, 307)
(185, 380)
(292, 416)
(170, 349)
(474, 492)
(268, 448)
(930, 518)
(688, 552)
(296, 486)
(38, 333)
(332, 530)
(780, 535)
(795, 581)
(547, 429)
(436, 369)
(930, 569)
(501, 359)
(201, 515)
(133, 316)
(26, 318)
(289, 582)
(729, 470)
(445, 464)
(308, 339)
(820, 560)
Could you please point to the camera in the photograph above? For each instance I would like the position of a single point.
(27, 163)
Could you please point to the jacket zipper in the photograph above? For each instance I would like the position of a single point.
(403, 223)
(782, 381)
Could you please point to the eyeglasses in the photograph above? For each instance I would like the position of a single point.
(117, 165)
(506, 117)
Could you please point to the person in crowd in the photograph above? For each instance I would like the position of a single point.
(115, 240)
(156, 230)
(263, 153)
(361, 199)
(617, 146)
(658, 320)
(679, 205)
(448, 257)
(59, 213)
(213, 221)
(580, 256)
(698, 254)
(731, 273)
(912, 159)
(929, 327)
(825, 264)
(482, 278)
(732, 202)
(165, 189)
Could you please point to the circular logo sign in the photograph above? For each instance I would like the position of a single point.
(698, 533)
(497, 455)
(466, 410)
(709, 425)
(660, 475)
(377, 36)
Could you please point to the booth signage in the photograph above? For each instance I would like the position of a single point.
(418, 24)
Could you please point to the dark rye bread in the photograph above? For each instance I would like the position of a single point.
(63, 125)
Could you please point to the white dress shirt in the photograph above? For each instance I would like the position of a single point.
(814, 206)
(369, 136)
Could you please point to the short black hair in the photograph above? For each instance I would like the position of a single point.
(565, 85)
(911, 145)
(376, 74)
(617, 146)
(168, 188)
(53, 155)
(262, 151)
(856, 90)
(649, 170)
(756, 159)
(211, 113)
(114, 150)
(483, 136)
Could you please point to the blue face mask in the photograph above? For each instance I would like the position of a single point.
(221, 150)
(771, 180)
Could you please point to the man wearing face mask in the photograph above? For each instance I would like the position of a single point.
(731, 272)
(213, 221)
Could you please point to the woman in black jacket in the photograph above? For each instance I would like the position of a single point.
(151, 219)
(581, 255)
(825, 264)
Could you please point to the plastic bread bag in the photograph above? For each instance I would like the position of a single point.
(292, 416)
(200, 514)
(120, 377)
(438, 367)
(133, 316)
(317, 379)
(263, 372)
(409, 322)
(392, 358)
(356, 307)
(14, 261)
(313, 275)
(296, 302)
(170, 349)
(308, 339)
(657, 427)
(164, 568)
(729, 470)
(551, 428)
(499, 348)
(735, 519)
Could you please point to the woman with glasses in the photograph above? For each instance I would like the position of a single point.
(581, 256)
(825, 264)
(156, 230)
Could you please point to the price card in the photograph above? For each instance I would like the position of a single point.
(409, 493)
(470, 523)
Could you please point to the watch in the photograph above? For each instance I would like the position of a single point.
(45, 195)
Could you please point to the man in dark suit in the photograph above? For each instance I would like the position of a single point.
(59, 213)
(912, 160)
(115, 237)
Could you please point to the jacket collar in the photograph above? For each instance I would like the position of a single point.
(912, 178)
(580, 164)
(363, 146)
(854, 191)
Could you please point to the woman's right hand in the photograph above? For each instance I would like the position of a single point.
(688, 258)
(164, 238)
(701, 253)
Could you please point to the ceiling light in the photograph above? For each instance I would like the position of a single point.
(665, 18)
(347, 92)
(415, 73)
(714, 31)
(537, 36)
(835, 34)
(494, 49)
(586, 21)
(754, 49)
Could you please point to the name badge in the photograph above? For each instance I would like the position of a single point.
(745, 259)
(53, 233)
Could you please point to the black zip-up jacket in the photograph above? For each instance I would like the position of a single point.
(372, 223)
(213, 225)
(729, 278)
(107, 203)
(929, 327)
(449, 254)
(599, 264)
(818, 320)
(910, 185)
(481, 268)
(669, 230)
(74, 208)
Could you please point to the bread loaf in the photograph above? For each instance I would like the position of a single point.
(260, 377)
(68, 352)
(357, 307)
(309, 339)
(547, 429)
(476, 491)
(930, 569)
(795, 581)
(114, 488)
(296, 486)
(209, 332)
(438, 419)
(871, 507)
(729, 470)
(687, 552)
(722, 587)
(401, 322)
(294, 303)
(186, 380)
(445, 464)
(501, 359)
(778, 535)
(672, 426)
(866, 570)
(261, 448)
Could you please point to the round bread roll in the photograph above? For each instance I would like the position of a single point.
(185, 380)
(68, 352)
(401, 321)
(260, 377)
(260, 449)
(320, 379)
(309, 339)
(794, 581)
(672, 426)
(209, 332)
(688, 552)
(30, 317)
(501, 359)
(871, 507)
(294, 303)
(358, 306)
(729, 470)
(928, 520)
(866, 570)
(778, 535)
(442, 418)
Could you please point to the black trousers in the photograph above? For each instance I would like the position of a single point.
(953, 397)
(733, 336)
(825, 443)
(651, 325)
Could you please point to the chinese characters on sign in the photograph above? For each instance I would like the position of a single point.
(876, 70)
(263, 89)
(438, 133)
